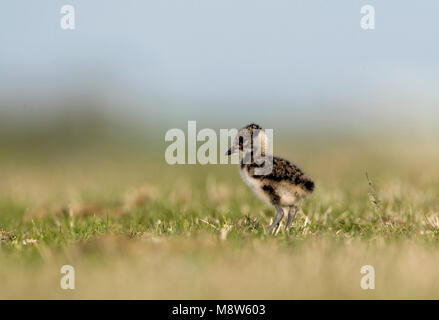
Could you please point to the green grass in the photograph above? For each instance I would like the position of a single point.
(134, 227)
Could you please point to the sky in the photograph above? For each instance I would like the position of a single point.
(188, 57)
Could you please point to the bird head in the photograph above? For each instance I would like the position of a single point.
(243, 141)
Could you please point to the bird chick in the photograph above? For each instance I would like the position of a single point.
(283, 186)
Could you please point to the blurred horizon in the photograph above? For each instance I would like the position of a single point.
(295, 65)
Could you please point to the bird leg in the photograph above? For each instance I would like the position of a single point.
(291, 215)
(277, 218)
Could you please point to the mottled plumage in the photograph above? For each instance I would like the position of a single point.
(282, 188)
(285, 185)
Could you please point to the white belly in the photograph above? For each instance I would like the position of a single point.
(255, 185)
(288, 195)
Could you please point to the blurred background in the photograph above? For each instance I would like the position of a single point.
(300, 65)
(131, 71)
(83, 117)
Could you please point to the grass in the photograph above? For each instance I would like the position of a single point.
(134, 227)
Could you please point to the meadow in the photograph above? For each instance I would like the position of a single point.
(135, 227)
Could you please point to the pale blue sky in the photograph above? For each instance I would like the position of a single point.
(184, 51)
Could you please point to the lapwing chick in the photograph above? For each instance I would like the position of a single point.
(283, 186)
